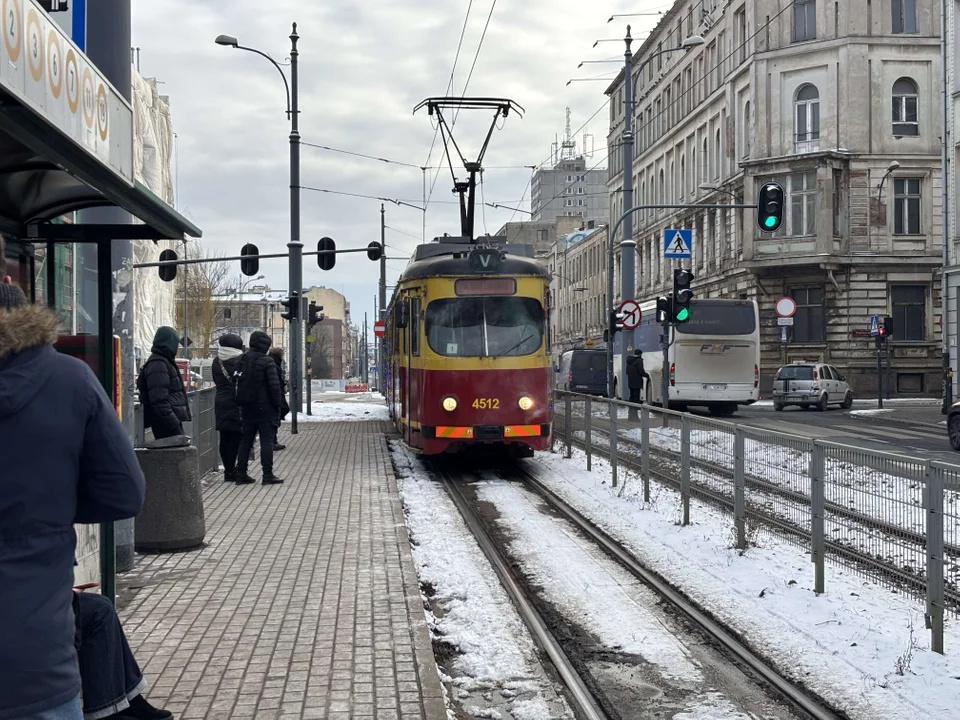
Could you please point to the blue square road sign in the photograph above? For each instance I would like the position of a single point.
(677, 243)
(874, 325)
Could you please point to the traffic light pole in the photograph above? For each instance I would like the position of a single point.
(665, 368)
(880, 343)
(382, 315)
(611, 304)
(628, 255)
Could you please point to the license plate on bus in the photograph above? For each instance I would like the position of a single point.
(714, 387)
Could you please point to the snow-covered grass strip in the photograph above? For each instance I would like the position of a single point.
(365, 407)
(860, 646)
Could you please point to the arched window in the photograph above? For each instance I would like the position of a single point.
(717, 157)
(663, 190)
(746, 129)
(683, 176)
(906, 120)
(807, 118)
(704, 162)
(693, 172)
(673, 180)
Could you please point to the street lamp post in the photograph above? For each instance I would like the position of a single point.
(628, 244)
(295, 246)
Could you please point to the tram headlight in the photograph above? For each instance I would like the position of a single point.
(525, 403)
(449, 404)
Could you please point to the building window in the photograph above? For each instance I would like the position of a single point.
(906, 201)
(904, 16)
(704, 162)
(227, 313)
(909, 304)
(683, 177)
(717, 164)
(579, 191)
(804, 20)
(741, 38)
(800, 191)
(808, 324)
(837, 202)
(905, 117)
(807, 119)
(746, 129)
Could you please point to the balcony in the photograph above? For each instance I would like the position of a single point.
(802, 147)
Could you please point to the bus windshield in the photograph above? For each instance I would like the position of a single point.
(719, 317)
(485, 327)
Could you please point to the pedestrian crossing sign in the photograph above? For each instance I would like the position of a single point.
(677, 243)
(874, 325)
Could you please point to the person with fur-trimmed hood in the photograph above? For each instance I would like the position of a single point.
(226, 407)
(66, 459)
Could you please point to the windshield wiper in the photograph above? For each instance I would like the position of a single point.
(523, 339)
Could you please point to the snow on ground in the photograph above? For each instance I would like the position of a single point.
(860, 646)
(346, 407)
(588, 588)
(497, 661)
(874, 411)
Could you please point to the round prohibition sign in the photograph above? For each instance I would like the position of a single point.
(786, 307)
(631, 314)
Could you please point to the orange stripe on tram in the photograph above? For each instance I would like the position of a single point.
(521, 430)
(454, 432)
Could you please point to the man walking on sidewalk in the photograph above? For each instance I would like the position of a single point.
(635, 375)
(258, 393)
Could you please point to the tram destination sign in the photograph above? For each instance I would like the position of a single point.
(46, 71)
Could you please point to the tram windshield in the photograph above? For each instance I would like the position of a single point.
(485, 327)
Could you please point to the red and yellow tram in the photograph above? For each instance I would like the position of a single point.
(467, 349)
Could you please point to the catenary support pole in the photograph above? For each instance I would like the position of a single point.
(295, 246)
(382, 315)
(108, 35)
(879, 343)
(628, 245)
(946, 185)
(665, 369)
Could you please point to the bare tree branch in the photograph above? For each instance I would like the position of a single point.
(203, 282)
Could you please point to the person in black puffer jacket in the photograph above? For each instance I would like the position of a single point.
(260, 409)
(277, 355)
(226, 407)
(162, 394)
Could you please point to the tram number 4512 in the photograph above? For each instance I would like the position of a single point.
(486, 404)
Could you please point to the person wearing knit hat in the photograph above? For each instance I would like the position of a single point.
(162, 393)
(66, 459)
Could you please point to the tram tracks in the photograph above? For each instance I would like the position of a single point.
(586, 693)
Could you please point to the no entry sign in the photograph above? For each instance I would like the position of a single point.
(379, 328)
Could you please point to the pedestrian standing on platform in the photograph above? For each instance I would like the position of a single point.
(226, 408)
(277, 355)
(258, 392)
(162, 393)
(66, 459)
(635, 376)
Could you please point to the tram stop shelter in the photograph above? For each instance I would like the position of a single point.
(67, 144)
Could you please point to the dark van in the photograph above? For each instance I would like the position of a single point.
(583, 371)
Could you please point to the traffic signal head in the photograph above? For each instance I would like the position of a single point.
(682, 295)
(664, 309)
(770, 207)
(168, 272)
(374, 250)
(886, 329)
(616, 321)
(313, 314)
(292, 304)
(328, 259)
(249, 266)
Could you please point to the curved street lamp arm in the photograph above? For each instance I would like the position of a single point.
(286, 84)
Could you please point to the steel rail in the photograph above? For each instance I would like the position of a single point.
(587, 706)
(797, 697)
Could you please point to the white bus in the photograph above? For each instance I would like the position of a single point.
(713, 360)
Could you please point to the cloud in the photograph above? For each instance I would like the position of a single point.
(363, 67)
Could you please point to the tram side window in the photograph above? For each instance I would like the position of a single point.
(485, 327)
(415, 326)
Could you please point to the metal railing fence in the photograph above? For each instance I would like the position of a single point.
(890, 518)
(202, 429)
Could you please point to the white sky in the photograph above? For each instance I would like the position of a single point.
(363, 68)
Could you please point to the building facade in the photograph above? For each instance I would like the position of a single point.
(542, 234)
(578, 289)
(569, 189)
(841, 107)
(333, 340)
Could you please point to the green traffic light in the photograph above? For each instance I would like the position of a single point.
(683, 314)
(770, 221)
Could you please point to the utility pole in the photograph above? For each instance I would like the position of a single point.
(295, 246)
(365, 357)
(946, 185)
(627, 252)
(381, 355)
(309, 355)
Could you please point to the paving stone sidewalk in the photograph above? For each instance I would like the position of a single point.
(304, 603)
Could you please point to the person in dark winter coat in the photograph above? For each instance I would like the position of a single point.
(277, 355)
(260, 409)
(66, 458)
(226, 407)
(635, 375)
(162, 394)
